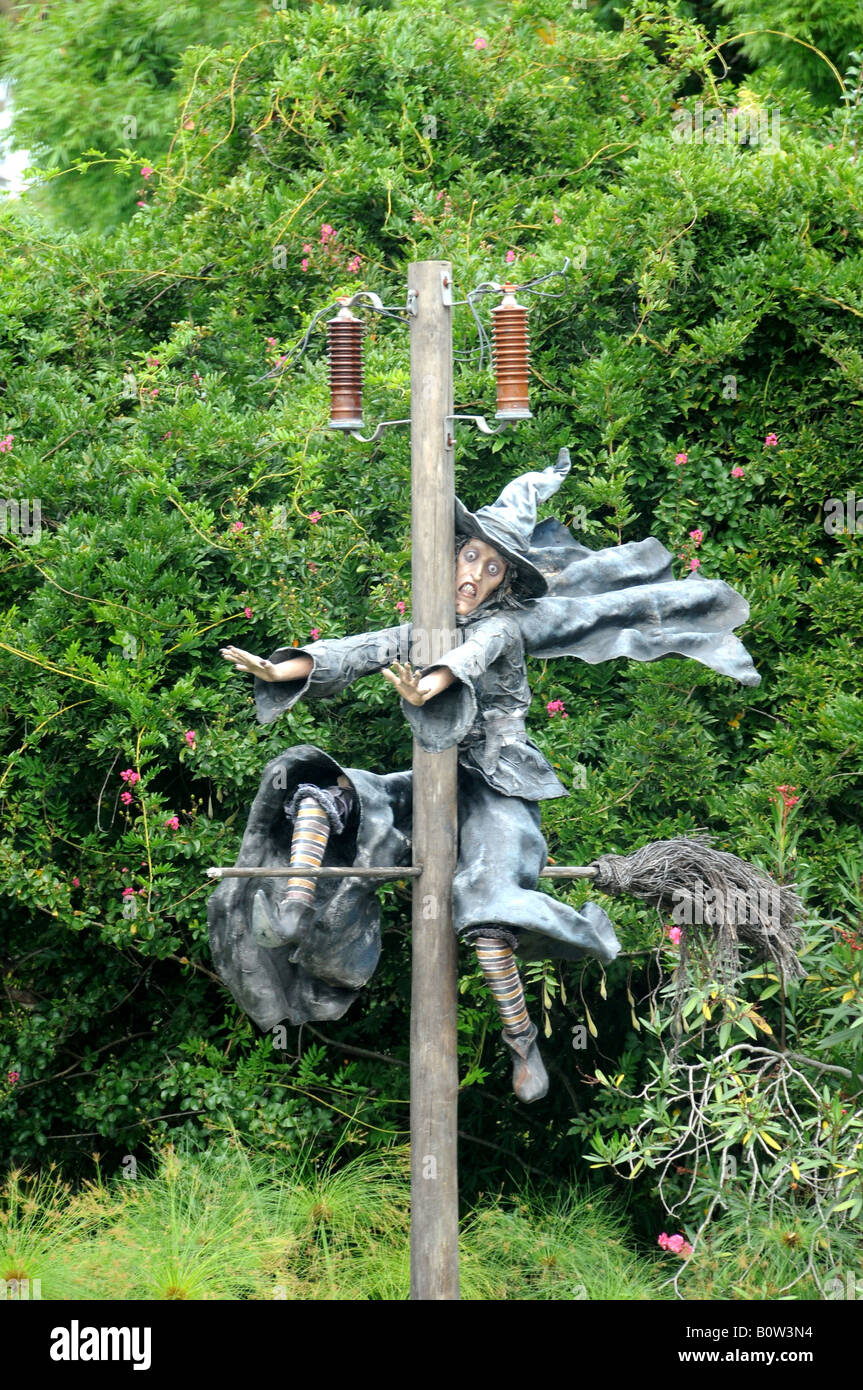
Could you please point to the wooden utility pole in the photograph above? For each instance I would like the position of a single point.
(433, 1052)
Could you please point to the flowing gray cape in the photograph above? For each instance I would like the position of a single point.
(625, 601)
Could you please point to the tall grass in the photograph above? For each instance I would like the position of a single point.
(227, 1224)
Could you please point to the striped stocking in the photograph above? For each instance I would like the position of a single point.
(308, 843)
(497, 964)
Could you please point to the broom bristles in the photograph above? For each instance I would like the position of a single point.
(723, 898)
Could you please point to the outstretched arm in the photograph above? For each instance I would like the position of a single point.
(292, 670)
(447, 719)
(413, 687)
(318, 669)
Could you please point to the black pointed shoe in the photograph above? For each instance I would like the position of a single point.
(529, 1076)
(282, 930)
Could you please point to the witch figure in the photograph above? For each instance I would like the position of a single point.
(302, 948)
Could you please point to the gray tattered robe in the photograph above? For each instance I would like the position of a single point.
(622, 601)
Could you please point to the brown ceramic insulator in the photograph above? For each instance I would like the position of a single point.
(511, 357)
(345, 341)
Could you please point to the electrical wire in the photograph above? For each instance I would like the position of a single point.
(402, 312)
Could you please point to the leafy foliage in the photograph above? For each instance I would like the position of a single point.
(712, 310)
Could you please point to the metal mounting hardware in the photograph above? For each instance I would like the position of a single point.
(412, 303)
(446, 288)
(370, 438)
(360, 295)
(479, 420)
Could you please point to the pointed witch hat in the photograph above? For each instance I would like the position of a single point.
(508, 523)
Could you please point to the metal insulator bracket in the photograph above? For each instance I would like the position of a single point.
(370, 438)
(479, 420)
(372, 298)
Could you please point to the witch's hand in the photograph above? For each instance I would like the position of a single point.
(245, 661)
(409, 683)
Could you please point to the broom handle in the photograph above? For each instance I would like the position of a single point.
(407, 871)
(569, 871)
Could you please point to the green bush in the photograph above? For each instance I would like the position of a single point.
(713, 305)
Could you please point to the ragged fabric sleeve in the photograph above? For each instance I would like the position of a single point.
(445, 719)
(336, 663)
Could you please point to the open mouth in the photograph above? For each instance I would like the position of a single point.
(468, 590)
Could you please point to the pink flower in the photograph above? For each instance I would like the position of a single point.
(236, 525)
(141, 204)
(130, 776)
(400, 606)
(510, 257)
(354, 264)
(480, 42)
(556, 219)
(155, 391)
(190, 737)
(697, 536)
(248, 612)
(315, 517)
(327, 232)
(128, 893)
(674, 934)
(271, 342)
(142, 891)
(694, 563)
(771, 440)
(681, 459)
(737, 471)
(308, 248)
(6, 444)
(315, 633)
(556, 707)
(152, 362)
(304, 263)
(12, 1077)
(787, 799)
(146, 171)
(677, 1244)
(76, 883)
(173, 823)
(126, 798)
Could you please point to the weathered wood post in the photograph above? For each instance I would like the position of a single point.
(433, 1053)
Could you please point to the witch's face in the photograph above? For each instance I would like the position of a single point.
(479, 569)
